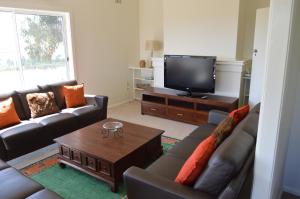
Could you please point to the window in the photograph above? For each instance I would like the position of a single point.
(34, 49)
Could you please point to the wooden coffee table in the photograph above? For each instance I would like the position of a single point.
(107, 158)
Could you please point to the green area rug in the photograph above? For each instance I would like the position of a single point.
(72, 184)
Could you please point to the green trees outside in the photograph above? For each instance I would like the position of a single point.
(42, 36)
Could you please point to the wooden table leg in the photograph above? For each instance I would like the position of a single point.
(114, 187)
(62, 165)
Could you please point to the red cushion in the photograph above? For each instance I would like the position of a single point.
(239, 114)
(195, 164)
(74, 96)
(8, 114)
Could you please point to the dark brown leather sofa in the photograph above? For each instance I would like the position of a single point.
(14, 185)
(32, 134)
(228, 174)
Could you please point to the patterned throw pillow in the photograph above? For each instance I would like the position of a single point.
(224, 129)
(41, 104)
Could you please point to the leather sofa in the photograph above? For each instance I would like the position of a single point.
(14, 185)
(228, 174)
(32, 134)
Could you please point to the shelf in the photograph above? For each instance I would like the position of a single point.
(139, 89)
(143, 79)
(138, 68)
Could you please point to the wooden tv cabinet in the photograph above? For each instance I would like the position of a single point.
(167, 104)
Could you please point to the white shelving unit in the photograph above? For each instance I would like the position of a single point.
(141, 76)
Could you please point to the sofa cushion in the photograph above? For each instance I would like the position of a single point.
(86, 114)
(202, 131)
(22, 96)
(3, 165)
(225, 163)
(14, 185)
(239, 114)
(41, 104)
(59, 123)
(166, 166)
(44, 194)
(74, 96)
(8, 114)
(185, 148)
(250, 124)
(17, 103)
(17, 137)
(196, 163)
(59, 94)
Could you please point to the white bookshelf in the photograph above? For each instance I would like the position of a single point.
(141, 76)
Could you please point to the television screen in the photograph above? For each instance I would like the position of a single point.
(190, 73)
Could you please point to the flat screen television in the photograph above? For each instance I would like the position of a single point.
(193, 74)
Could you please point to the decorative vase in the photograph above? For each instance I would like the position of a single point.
(143, 63)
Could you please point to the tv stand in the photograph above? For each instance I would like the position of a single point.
(169, 104)
(192, 95)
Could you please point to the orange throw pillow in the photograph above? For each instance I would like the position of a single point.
(8, 114)
(195, 164)
(239, 114)
(74, 96)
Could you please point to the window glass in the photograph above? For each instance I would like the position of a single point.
(34, 50)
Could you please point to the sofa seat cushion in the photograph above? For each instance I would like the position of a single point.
(86, 114)
(53, 118)
(167, 166)
(3, 165)
(20, 135)
(83, 110)
(185, 148)
(14, 185)
(58, 124)
(44, 194)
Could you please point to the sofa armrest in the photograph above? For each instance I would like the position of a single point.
(216, 116)
(98, 100)
(142, 184)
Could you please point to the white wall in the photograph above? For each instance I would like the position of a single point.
(105, 39)
(153, 13)
(292, 172)
(277, 103)
(247, 26)
(201, 27)
(151, 24)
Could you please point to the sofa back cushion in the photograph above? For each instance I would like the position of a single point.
(22, 96)
(57, 89)
(225, 163)
(230, 156)
(17, 103)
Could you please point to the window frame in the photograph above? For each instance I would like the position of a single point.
(67, 37)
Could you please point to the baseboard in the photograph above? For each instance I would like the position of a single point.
(120, 103)
(291, 190)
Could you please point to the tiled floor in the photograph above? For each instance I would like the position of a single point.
(131, 112)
